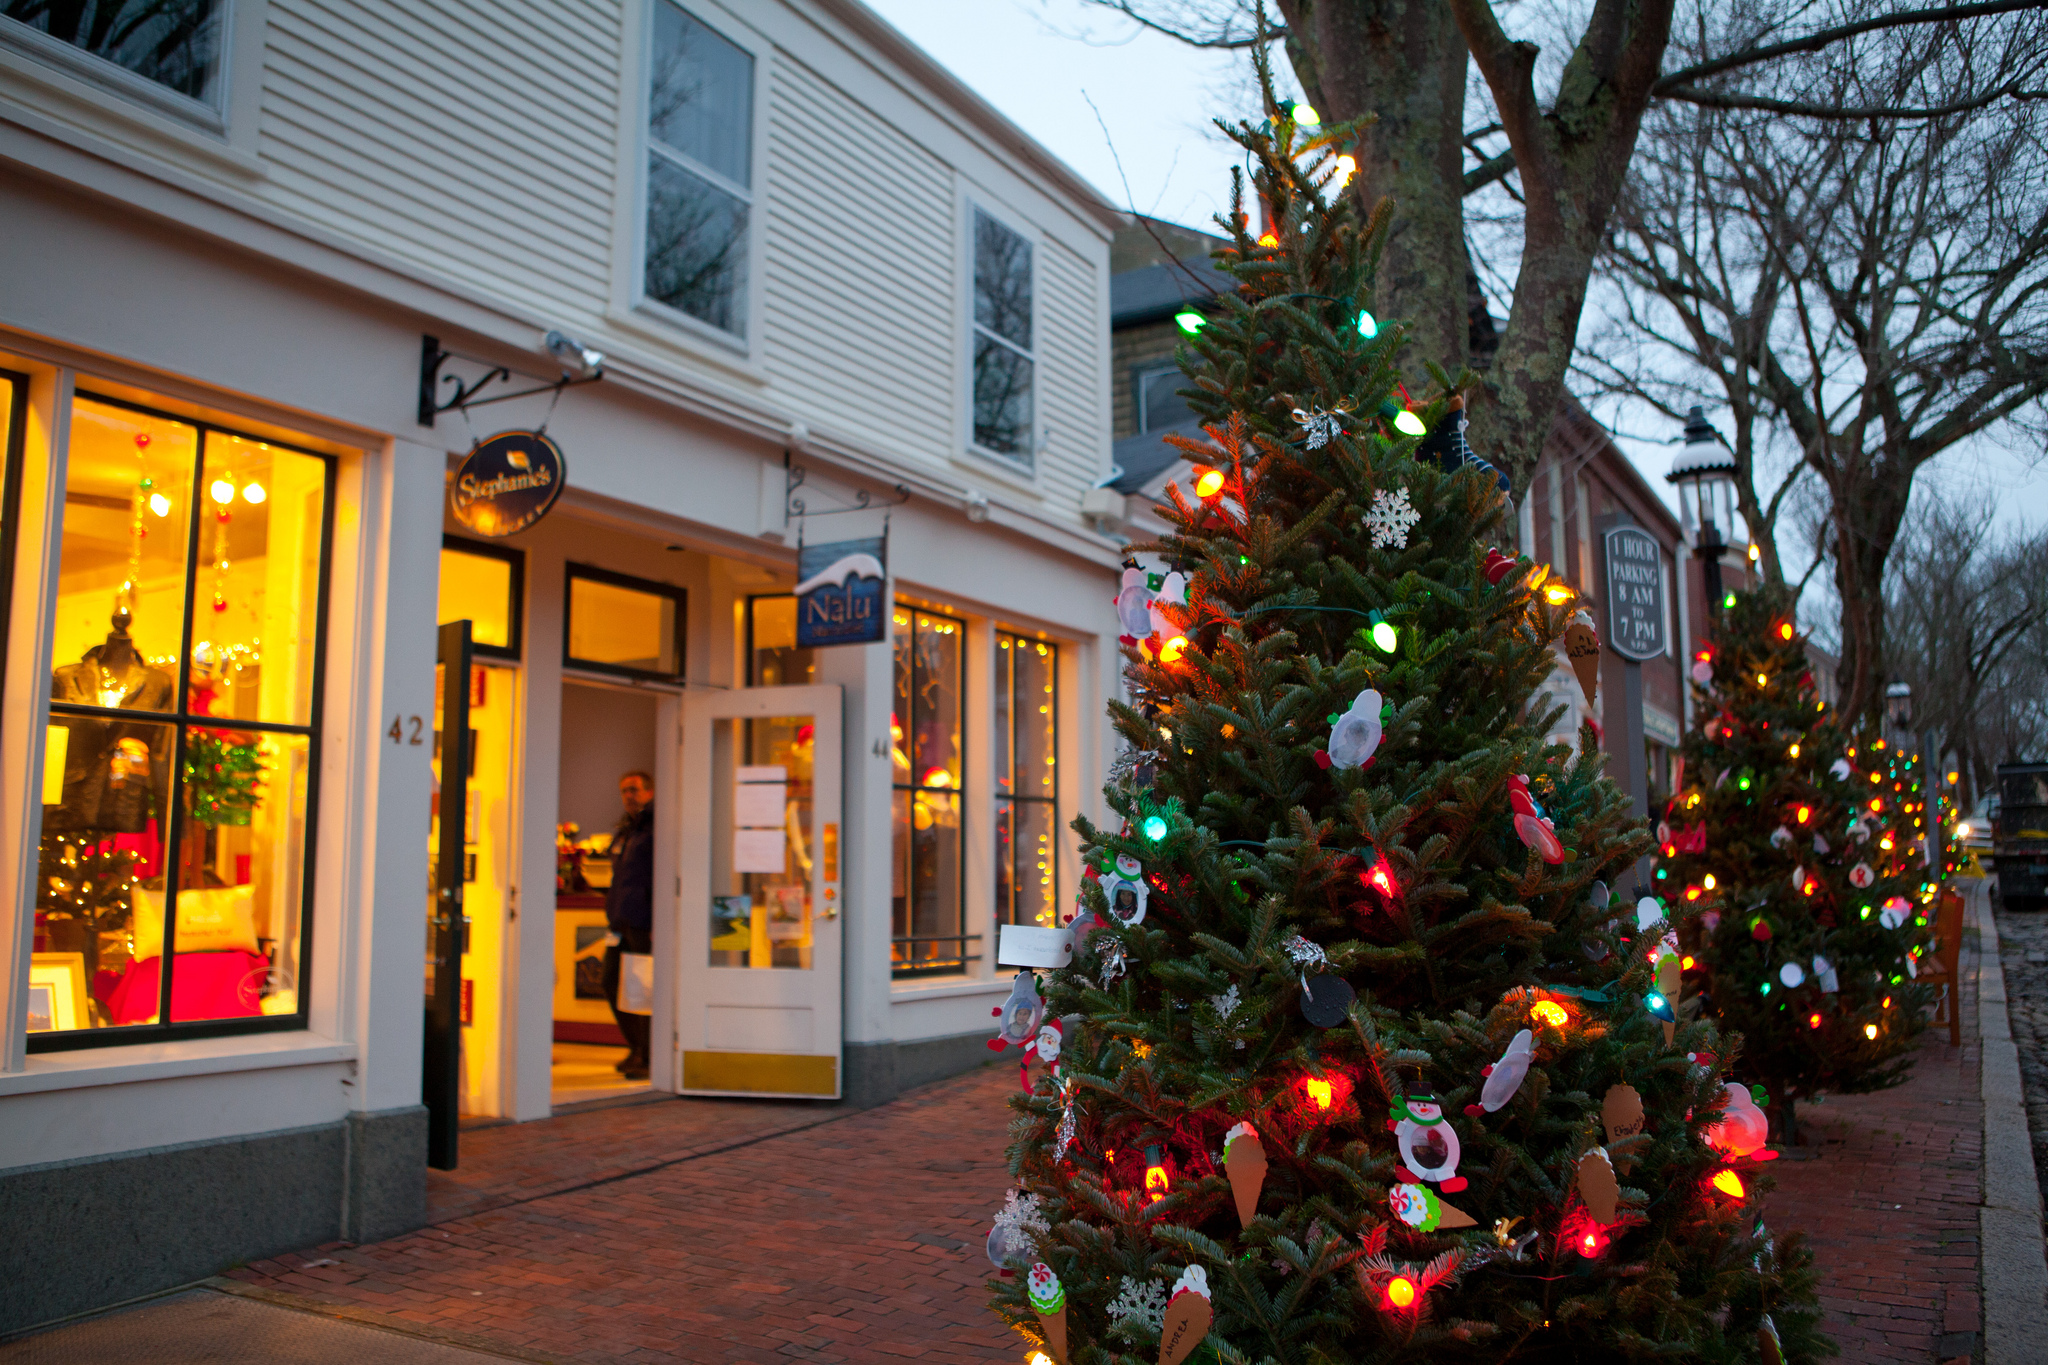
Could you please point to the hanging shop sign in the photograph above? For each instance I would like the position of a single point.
(840, 597)
(508, 483)
(1635, 594)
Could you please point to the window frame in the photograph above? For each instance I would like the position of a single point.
(1027, 469)
(632, 306)
(513, 651)
(1007, 914)
(109, 99)
(680, 596)
(181, 721)
(10, 502)
(959, 966)
(1140, 374)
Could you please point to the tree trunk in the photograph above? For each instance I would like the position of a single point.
(1402, 61)
(1866, 518)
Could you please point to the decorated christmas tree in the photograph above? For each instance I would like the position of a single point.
(1370, 1064)
(1795, 842)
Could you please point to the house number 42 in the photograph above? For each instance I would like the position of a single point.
(398, 725)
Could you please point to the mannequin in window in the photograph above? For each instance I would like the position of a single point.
(116, 772)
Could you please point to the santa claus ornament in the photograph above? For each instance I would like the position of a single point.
(1429, 1146)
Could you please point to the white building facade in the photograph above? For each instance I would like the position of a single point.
(251, 249)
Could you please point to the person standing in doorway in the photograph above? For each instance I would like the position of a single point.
(629, 909)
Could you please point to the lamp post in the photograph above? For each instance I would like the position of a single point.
(1898, 713)
(1705, 468)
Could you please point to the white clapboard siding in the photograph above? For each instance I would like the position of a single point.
(861, 330)
(477, 141)
(1070, 374)
(473, 139)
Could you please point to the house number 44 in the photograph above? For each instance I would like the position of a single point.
(398, 728)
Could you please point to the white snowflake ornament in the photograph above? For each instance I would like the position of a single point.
(1390, 519)
(1139, 1309)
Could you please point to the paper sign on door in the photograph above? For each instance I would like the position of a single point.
(760, 806)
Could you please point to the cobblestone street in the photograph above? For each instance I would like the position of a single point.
(2023, 948)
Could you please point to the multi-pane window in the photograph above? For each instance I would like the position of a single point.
(172, 43)
(928, 935)
(1159, 402)
(700, 140)
(179, 780)
(1027, 780)
(1003, 358)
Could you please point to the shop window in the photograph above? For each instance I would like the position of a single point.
(622, 625)
(700, 138)
(179, 788)
(1027, 781)
(1003, 358)
(175, 44)
(13, 412)
(773, 659)
(485, 585)
(926, 874)
(1159, 402)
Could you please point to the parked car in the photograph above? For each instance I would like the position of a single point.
(2020, 835)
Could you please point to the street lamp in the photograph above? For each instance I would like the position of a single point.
(1898, 704)
(1706, 468)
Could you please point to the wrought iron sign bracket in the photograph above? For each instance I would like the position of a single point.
(432, 381)
(794, 508)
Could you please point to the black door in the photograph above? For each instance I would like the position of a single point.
(447, 926)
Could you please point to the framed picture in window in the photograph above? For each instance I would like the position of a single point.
(56, 992)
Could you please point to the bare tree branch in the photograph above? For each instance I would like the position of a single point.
(1814, 42)
(1807, 109)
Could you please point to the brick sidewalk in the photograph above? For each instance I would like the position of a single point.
(1890, 1202)
(856, 1240)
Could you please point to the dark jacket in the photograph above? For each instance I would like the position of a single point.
(629, 900)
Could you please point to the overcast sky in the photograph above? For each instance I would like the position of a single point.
(1042, 62)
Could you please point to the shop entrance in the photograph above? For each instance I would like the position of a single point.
(758, 1000)
(608, 733)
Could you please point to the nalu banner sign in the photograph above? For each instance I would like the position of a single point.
(839, 593)
(507, 483)
(1635, 594)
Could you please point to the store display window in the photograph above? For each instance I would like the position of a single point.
(486, 586)
(623, 625)
(928, 933)
(773, 658)
(1026, 735)
(179, 789)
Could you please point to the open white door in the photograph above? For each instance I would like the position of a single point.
(758, 984)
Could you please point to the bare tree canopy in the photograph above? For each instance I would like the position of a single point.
(1875, 290)
(1969, 625)
(1403, 63)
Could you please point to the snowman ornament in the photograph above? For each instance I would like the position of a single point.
(1429, 1146)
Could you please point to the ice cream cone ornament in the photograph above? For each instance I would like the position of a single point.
(1188, 1317)
(1049, 1301)
(1582, 647)
(1021, 1014)
(1597, 1185)
(1419, 1207)
(1244, 1161)
(1428, 1145)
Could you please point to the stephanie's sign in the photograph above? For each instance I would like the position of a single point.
(840, 598)
(1635, 594)
(507, 483)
